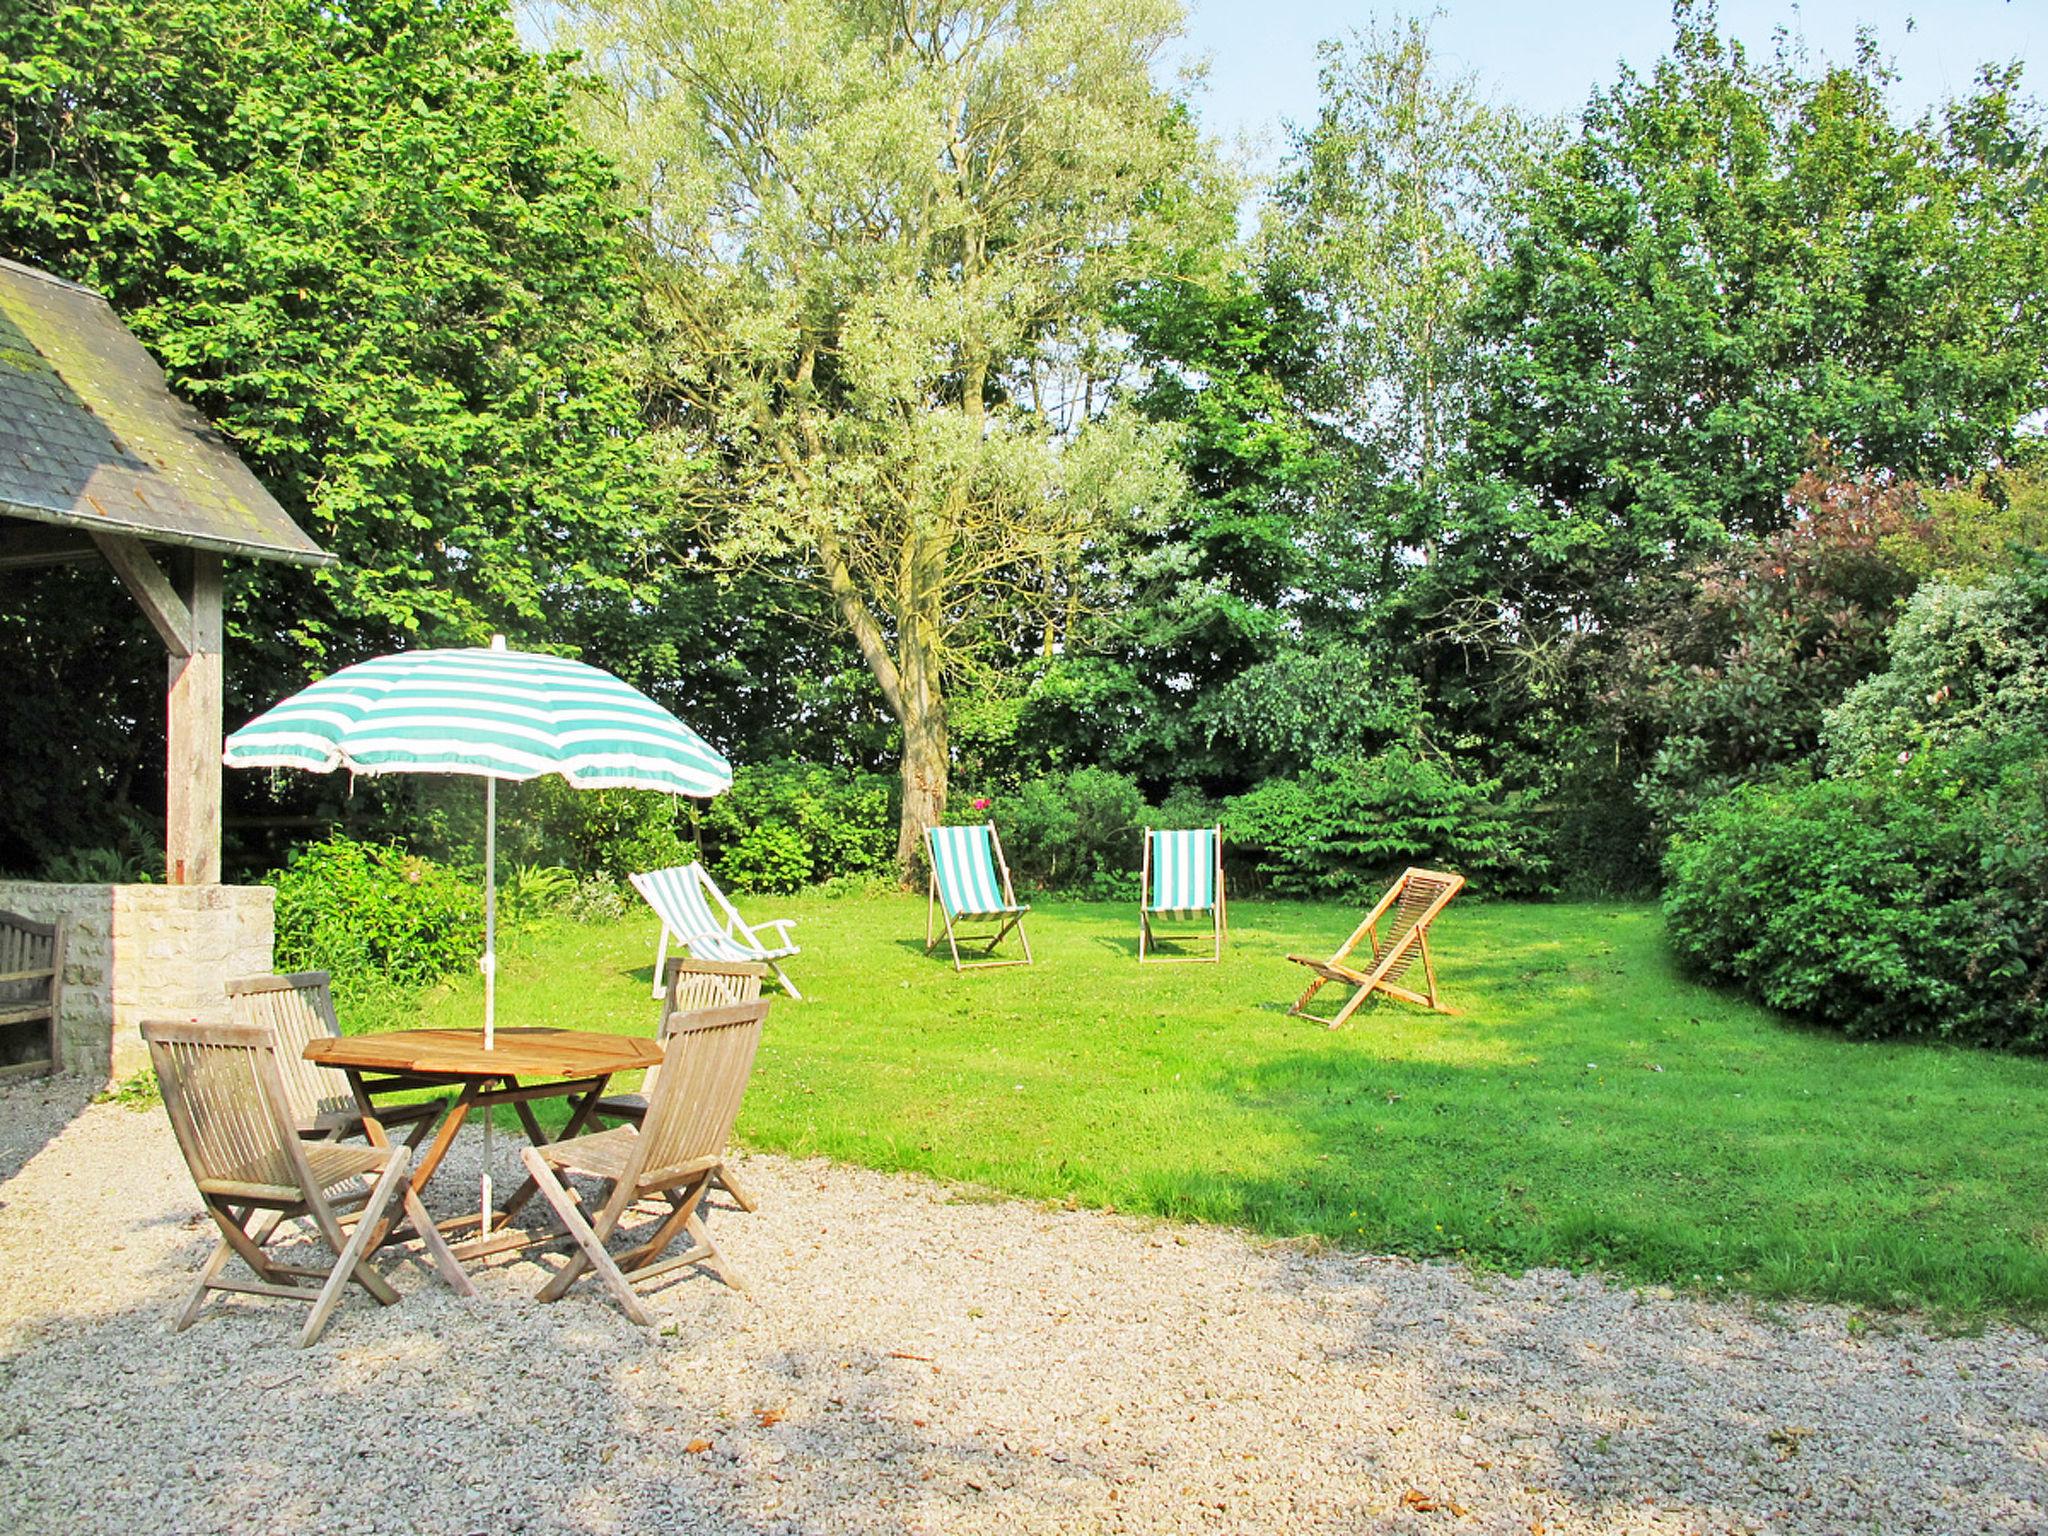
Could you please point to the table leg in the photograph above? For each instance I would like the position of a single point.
(579, 1116)
(423, 1170)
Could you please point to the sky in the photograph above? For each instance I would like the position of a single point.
(1548, 57)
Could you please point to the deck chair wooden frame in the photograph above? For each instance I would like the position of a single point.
(684, 897)
(997, 901)
(31, 994)
(1148, 937)
(693, 987)
(1414, 901)
(673, 1153)
(234, 1124)
(297, 1009)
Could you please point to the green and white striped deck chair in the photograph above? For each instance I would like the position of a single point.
(971, 883)
(696, 913)
(1182, 881)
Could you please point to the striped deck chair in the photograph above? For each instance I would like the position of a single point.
(971, 883)
(1415, 900)
(1182, 879)
(695, 912)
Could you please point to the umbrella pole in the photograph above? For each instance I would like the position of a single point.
(490, 968)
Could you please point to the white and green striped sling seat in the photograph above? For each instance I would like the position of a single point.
(695, 912)
(1409, 907)
(1181, 881)
(971, 884)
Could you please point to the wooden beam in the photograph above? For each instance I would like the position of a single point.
(161, 603)
(28, 544)
(192, 783)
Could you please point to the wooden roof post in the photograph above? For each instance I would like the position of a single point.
(192, 768)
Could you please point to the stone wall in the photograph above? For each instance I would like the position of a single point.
(145, 951)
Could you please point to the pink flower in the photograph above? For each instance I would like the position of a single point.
(981, 805)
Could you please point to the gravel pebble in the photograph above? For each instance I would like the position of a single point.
(911, 1360)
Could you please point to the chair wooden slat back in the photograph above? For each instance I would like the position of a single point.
(227, 1105)
(1418, 893)
(703, 1077)
(296, 1009)
(694, 985)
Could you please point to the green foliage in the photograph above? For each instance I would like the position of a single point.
(1349, 825)
(1963, 660)
(367, 242)
(784, 825)
(1975, 531)
(608, 832)
(534, 891)
(1076, 830)
(1906, 901)
(768, 857)
(1733, 258)
(101, 866)
(138, 1091)
(1284, 713)
(1731, 674)
(375, 916)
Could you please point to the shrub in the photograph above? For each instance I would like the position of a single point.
(1351, 824)
(374, 914)
(1729, 674)
(785, 824)
(608, 832)
(770, 857)
(1905, 901)
(1074, 831)
(1963, 659)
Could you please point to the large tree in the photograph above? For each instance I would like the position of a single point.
(369, 243)
(1736, 257)
(1393, 205)
(879, 240)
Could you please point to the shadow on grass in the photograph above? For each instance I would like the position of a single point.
(1653, 1175)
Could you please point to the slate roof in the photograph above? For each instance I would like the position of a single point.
(92, 437)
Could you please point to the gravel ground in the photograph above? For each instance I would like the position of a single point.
(913, 1359)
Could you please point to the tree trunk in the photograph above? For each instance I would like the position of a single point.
(924, 782)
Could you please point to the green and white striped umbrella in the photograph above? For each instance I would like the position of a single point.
(495, 714)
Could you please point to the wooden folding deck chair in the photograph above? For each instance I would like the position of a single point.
(674, 1152)
(693, 987)
(1415, 899)
(683, 898)
(234, 1124)
(1181, 879)
(970, 882)
(299, 1008)
(31, 994)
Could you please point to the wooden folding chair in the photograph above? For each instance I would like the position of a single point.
(235, 1126)
(674, 1153)
(1415, 900)
(693, 986)
(31, 994)
(970, 882)
(299, 1008)
(1181, 879)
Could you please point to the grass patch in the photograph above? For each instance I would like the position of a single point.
(1587, 1108)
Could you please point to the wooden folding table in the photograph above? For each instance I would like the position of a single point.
(570, 1064)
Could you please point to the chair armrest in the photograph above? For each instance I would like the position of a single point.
(783, 923)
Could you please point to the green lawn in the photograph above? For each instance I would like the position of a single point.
(1587, 1106)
